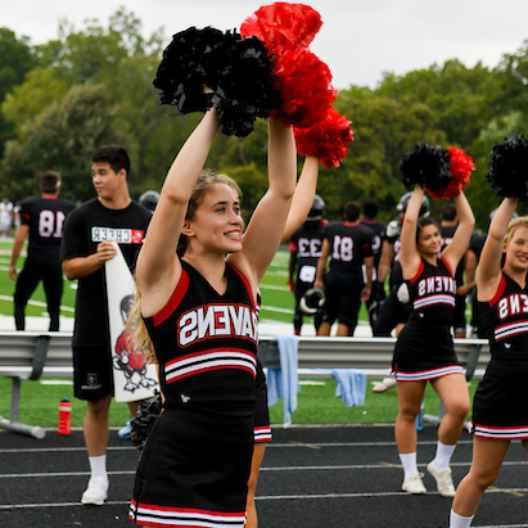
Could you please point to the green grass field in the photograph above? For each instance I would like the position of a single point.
(317, 405)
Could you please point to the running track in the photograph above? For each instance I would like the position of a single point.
(332, 477)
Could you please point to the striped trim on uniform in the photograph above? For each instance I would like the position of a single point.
(167, 517)
(210, 360)
(517, 432)
(424, 375)
(262, 434)
(510, 329)
(434, 299)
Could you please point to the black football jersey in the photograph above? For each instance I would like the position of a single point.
(432, 294)
(206, 342)
(45, 219)
(506, 317)
(349, 244)
(306, 243)
(378, 232)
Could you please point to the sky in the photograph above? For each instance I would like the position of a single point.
(359, 40)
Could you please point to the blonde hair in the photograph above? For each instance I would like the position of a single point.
(135, 322)
(521, 221)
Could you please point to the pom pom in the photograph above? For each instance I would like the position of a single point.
(304, 85)
(461, 166)
(244, 88)
(428, 166)
(147, 414)
(205, 67)
(186, 73)
(507, 173)
(283, 26)
(327, 140)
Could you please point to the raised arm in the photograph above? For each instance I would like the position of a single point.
(409, 257)
(489, 267)
(321, 264)
(265, 229)
(466, 222)
(158, 266)
(302, 198)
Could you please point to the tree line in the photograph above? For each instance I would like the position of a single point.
(93, 85)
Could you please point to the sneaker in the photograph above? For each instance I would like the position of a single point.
(384, 385)
(96, 492)
(444, 482)
(124, 432)
(413, 484)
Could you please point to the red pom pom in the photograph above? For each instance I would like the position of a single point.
(327, 140)
(283, 26)
(461, 166)
(304, 84)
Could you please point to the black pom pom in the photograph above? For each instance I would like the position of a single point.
(245, 86)
(147, 414)
(426, 165)
(508, 172)
(187, 72)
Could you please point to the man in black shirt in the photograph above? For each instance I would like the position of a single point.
(90, 235)
(41, 220)
(349, 246)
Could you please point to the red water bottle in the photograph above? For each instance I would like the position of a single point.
(65, 413)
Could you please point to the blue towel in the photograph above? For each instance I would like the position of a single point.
(283, 382)
(351, 386)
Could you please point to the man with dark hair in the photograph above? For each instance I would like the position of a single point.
(90, 236)
(41, 219)
(370, 212)
(349, 246)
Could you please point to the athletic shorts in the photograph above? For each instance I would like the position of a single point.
(93, 377)
(459, 316)
(342, 299)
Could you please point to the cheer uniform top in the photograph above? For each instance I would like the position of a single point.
(196, 462)
(499, 406)
(424, 349)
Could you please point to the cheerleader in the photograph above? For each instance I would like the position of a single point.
(500, 414)
(424, 348)
(200, 310)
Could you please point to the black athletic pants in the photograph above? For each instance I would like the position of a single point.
(48, 271)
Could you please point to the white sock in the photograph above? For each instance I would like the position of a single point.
(444, 452)
(408, 461)
(98, 466)
(457, 521)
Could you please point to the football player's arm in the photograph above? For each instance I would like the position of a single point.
(302, 197)
(409, 257)
(20, 237)
(470, 267)
(321, 264)
(369, 267)
(292, 265)
(466, 222)
(489, 267)
(387, 252)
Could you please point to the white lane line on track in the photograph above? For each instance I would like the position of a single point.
(270, 446)
(285, 497)
(388, 465)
